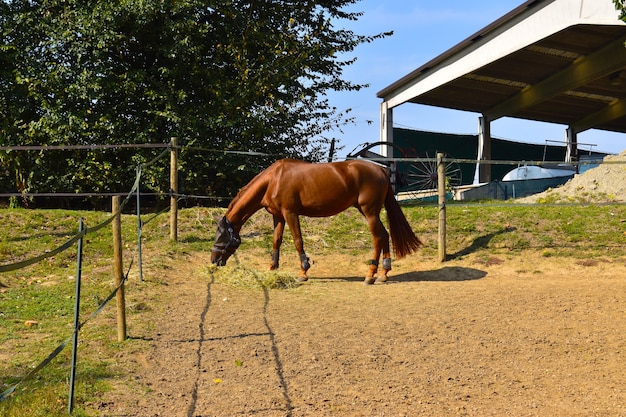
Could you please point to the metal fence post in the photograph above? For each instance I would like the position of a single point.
(79, 267)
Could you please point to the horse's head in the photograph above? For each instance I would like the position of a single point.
(226, 242)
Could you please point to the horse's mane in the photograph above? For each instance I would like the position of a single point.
(243, 191)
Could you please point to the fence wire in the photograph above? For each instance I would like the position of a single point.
(22, 264)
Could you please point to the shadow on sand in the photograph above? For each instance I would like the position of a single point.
(481, 242)
(445, 274)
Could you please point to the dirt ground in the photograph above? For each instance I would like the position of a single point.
(512, 335)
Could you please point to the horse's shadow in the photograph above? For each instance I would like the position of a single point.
(445, 274)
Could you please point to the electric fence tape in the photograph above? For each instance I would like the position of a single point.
(74, 239)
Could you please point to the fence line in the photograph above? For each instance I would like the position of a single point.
(77, 238)
(22, 264)
(74, 239)
(494, 161)
(71, 194)
(79, 147)
(175, 196)
(71, 241)
(227, 152)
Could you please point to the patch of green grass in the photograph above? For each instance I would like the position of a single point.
(37, 308)
(48, 393)
(567, 230)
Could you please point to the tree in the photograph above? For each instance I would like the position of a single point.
(221, 75)
(621, 6)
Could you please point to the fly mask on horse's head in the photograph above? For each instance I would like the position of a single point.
(226, 242)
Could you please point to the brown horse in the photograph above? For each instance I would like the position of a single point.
(291, 188)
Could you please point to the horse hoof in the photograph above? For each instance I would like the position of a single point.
(382, 280)
(369, 281)
(303, 279)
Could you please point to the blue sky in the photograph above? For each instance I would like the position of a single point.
(424, 29)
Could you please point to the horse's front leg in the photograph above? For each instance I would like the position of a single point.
(279, 228)
(294, 225)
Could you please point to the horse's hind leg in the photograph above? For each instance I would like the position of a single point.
(279, 228)
(381, 245)
(386, 267)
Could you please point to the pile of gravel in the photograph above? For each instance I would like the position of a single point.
(602, 184)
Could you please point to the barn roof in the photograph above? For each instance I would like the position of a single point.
(558, 61)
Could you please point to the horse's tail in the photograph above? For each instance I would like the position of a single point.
(404, 240)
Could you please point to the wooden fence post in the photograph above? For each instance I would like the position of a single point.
(174, 190)
(441, 188)
(119, 272)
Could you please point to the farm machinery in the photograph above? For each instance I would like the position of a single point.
(414, 176)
